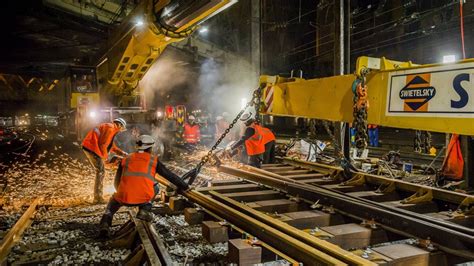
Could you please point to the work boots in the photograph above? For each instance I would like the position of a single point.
(104, 226)
(145, 215)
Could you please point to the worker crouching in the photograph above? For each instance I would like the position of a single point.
(253, 140)
(96, 146)
(136, 185)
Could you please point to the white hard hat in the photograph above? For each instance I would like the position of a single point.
(145, 141)
(245, 117)
(219, 118)
(225, 114)
(191, 117)
(121, 121)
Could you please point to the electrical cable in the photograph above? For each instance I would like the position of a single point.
(461, 20)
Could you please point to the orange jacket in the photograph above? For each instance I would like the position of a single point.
(138, 179)
(100, 140)
(267, 134)
(254, 144)
(191, 134)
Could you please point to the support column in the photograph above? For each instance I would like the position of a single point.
(255, 40)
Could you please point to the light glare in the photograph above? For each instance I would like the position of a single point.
(449, 58)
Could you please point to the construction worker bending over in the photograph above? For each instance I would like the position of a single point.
(192, 133)
(253, 140)
(136, 185)
(96, 146)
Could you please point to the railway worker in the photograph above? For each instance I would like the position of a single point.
(269, 142)
(96, 146)
(373, 135)
(136, 185)
(192, 133)
(253, 141)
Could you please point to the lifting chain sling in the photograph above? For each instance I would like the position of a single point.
(360, 107)
(256, 101)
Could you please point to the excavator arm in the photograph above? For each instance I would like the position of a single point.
(436, 97)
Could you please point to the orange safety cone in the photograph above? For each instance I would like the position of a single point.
(453, 164)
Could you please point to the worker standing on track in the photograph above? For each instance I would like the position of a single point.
(136, 185)
(96, 146)
(192, 133)
(253, 140)
(269, 142)
(373, 135)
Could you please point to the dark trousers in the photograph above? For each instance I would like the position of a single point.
(269, 155)
(99, 167)
(255, 160)
(113, 206)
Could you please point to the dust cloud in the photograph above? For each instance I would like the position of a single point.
(212, 85)
(223, 85)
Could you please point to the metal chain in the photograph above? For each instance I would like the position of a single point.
(257, 97)
(361, 104)
(208, 156)
(417, 142)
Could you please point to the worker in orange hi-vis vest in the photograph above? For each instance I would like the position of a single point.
(96, 146)
(269, 142)
(252, 140)
(136, 185)
(191, 133)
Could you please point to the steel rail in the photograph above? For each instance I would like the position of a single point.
(450, 225)
(281, 241)
(441, 194)
(15, 233)
(449, 240)
(263, 244)
(322, 245)
(369, 177)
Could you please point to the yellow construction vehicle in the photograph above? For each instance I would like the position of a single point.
(131, 50)
(435, 97)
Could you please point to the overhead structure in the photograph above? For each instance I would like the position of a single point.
(435, 97)
(146, 32)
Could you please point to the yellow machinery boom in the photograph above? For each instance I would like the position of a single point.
(400, 94)
(146, 32)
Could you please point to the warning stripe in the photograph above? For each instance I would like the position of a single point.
(269, 99)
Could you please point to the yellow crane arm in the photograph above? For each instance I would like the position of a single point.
(435, 97)
(146, 32)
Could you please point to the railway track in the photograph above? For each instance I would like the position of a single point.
(63, 236)
(388, 215)
(296, 211)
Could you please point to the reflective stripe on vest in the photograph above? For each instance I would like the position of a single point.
(146, 175)
(97, 131)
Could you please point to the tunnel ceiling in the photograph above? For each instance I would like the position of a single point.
(42, 38)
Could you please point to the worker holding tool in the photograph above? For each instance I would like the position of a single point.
(192, 133)
(253, 140)
(136, 185)
(96, 146)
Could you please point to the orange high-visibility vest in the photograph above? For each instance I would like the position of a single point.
(191, 134)
(100, 139)
(138, 178)
(267, 134)
(254, 145)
